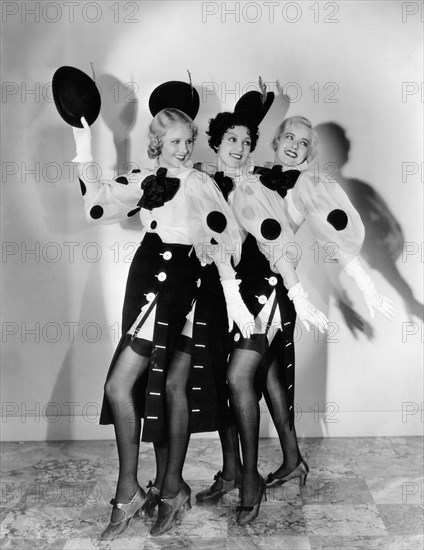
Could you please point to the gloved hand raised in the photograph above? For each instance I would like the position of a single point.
(307, 313)
(236, 310)
(82, 138)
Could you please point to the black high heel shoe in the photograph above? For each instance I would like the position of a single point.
(152, 500)
(245, 514)
(301, 471)
(116, 528)
(169, 509)
(218, 489)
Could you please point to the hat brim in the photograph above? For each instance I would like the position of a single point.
(252, 105)
(175, 95)
(75, 95)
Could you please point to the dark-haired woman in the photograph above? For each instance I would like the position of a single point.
(264, 206)
(204, 347)
(233, 137)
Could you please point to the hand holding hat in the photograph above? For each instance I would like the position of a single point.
(82, 138)
(75, 95)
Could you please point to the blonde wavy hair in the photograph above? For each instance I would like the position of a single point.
(161, 123)
(296, 121)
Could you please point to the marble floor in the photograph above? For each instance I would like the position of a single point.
(361, 493)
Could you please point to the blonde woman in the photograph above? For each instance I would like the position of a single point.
(178, 210)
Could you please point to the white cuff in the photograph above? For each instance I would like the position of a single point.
(297, 291)
(355, 270)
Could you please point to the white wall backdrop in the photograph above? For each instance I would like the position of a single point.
(353, 68)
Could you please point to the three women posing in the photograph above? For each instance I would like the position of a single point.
(180, 211)
(269, 219)
(171, 332)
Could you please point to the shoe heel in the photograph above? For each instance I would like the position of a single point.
(304, 473)
(115, 529)
(187, 505)
(139, 514)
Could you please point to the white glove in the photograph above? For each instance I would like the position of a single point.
(307, 313)
(236, 310)
(82, 138)
(372, 297)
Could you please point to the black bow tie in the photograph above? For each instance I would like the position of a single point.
(275, 179)
(225, 183)
(158, 189)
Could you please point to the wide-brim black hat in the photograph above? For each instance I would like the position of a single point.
(75, 95)
(255, 105)
(175, 95)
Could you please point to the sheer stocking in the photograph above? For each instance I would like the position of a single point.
(178, 422)
(119, 390)
(241, 374)
(231, 460)
(276, 399)
(161, 456)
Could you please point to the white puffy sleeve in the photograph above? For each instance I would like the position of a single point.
(112, 201)
(260, 213)
(330, 214)
(214, 228)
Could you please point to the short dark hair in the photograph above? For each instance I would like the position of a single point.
(224, 121)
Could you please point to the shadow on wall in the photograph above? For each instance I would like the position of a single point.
(86, 358)
(274, 117)
(312, 349)
(119, 112)
(120, 109)
(83, 371)
(210, 106)
(383, 234)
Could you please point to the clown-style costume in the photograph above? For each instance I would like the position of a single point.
(318, 200)
(261, 288)
(270, 208)
(180, 210)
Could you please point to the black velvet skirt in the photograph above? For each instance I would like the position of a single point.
(166, 274)
(211, 346)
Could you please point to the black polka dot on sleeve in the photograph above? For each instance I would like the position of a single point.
(270, 229)
(122, 179)
(96, 212)
(83, 187)
(216, 221)
(133, 212)
(338, 219)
